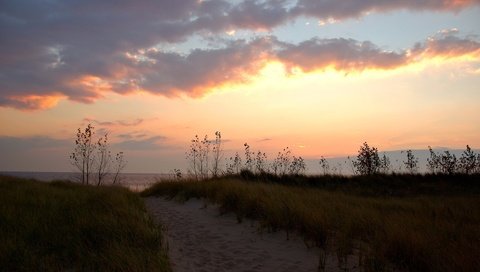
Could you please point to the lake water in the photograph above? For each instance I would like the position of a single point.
(133, 181)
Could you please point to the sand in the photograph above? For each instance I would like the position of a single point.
(200, 239)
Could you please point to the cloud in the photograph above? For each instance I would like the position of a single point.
(31, 102)
(196, 73)
(54, 50)
(200, 71)
(258, 15)
(37, 153)
(132, 135)
(446, 44)
(123, 123)
(151, 143)
(10, 145)
(352, 55)
(340, 54)
(354, 9)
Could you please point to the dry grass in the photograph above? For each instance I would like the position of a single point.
(61, 226)
(416, 232)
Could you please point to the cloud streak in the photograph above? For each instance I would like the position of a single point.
(200, 71)
(152, 143)
(81, 51)
(10, 144)
(122, 123)
(354, 9)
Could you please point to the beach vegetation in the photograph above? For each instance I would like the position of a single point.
(411, 164)
(379, 222)
(65, 226)
(93, 157)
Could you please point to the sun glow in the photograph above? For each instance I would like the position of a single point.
(92, 83)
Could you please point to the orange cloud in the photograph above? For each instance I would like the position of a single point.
(35, 102)
(238, 62)
(349, 55)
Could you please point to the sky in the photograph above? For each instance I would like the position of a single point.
(318, 76)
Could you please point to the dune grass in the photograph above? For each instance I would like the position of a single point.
(60, 226)
(416, 231)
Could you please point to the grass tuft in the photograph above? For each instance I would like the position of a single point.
(386, 222)
(61, 226)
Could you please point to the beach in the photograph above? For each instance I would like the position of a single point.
(200, 239)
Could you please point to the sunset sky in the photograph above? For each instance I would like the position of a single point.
(318, 76)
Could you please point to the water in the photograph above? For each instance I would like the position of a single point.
(133, 181)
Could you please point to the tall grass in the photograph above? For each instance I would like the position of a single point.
(61, 226)
(415, 231)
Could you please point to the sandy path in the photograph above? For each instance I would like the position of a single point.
(200, 239)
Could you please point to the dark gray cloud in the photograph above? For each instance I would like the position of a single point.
(51, 50)
(132, 135)
(39, 153)
(258, 15)
(354, 8)
(151, 143)
(10, 145)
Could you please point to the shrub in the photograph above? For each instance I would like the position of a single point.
(367, 162)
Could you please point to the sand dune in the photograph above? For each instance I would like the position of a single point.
(199, 239)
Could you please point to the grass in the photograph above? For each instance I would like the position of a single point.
(401, 226)
(60, 226)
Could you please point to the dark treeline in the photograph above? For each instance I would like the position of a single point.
(205, 158)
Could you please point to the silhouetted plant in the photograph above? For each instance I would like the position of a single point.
(477, 167)
(281, 163)
(297, 166)
(468, 161)
(385, 165)
(248, 158)
(234, 165)
(445, 163)
(103, 159)
(119, 164)
(193, 157)
(198, 156)
(217, 154)
(90, 156)
(411, 164)
(177, 174)
(433, 163)
(324, 165)
(82, 156)
(448, 162)
(204, 157)
(368, 162)
(261, 163)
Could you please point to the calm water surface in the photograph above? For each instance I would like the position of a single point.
(133, 181)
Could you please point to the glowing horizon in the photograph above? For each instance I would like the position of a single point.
(321, 89)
